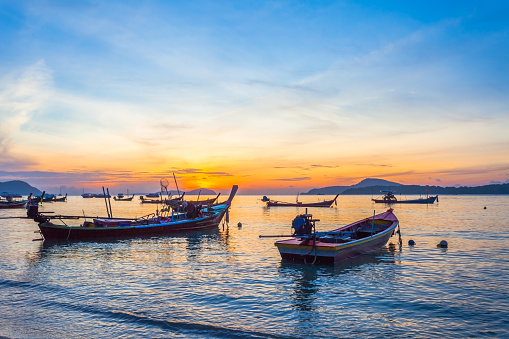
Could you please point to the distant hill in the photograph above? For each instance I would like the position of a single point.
(375, 182)
(204, 191)
(19, 187)
(369, 182)
(432, 190)
(372, 186)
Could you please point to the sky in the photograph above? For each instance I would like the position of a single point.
(275, 96)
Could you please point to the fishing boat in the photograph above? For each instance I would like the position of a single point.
(95, 195)
(363, 236)
(122, 197)
(60, 199)
(45, 197)
(145, 200)
(54, 227)
(179, 202)
(325, 203)
(9, 202)
(204, 201)
(10, 195)
(12, 200)
(390, 198)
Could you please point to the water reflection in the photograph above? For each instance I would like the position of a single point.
(307, 279)
(112, 248)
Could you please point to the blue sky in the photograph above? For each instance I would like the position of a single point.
(285, 95)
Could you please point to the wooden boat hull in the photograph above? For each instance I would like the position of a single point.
(327, 203)
(6, 205)
(147, 201)
(61, 199)
(306, 250)
(159, 200)
(54, 232)
(284, 204)
(203, 202)
(429, 200)
(123, 199)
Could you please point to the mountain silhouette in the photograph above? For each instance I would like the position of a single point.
(369, 182)
(18, 187)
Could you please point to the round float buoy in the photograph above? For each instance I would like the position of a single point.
(239, 224)
(484, 207)
(411, 242)
(442, 244)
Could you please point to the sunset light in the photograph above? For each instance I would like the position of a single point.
(276, 97)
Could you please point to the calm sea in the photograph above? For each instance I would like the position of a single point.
(229, 283)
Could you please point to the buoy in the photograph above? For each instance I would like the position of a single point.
(484, 207)
(239, 224)
(411, 242)
(442, 244)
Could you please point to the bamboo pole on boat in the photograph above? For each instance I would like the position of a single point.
(106, 202)
(109, 202)
(176, 184)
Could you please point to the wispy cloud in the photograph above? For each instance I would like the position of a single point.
(293, 179)
(23, 94)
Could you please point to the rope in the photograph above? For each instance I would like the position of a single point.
(313, 247)
(400, 241)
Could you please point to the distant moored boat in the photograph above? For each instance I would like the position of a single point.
(389, 198)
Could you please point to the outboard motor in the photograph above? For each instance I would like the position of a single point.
(191, 212)
(32, 209)
(302, 225)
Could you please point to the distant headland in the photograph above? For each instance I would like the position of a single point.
(372, 186)
(18, 187)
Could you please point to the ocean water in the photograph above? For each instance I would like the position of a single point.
(229, 283)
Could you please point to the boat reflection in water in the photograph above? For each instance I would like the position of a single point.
(309, 280)
(179, 247)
